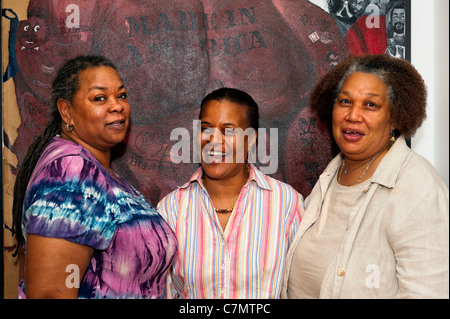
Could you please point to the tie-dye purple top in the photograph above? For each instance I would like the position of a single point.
(71, 196)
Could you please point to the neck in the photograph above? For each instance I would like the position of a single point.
(359, 170)
(104, 157)
(226, 188)
(354, 164)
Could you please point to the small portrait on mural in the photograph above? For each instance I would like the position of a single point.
(395, 26)
(346, 12)
(361, 23)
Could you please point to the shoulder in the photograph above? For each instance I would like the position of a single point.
(170, 203)
(417, 196)
(59, 147)
(169, 200)
(403, 170)
(281, 186)
(419, 192)
(66, 159)
(266, 181)
(169, 206)
(69, 197)
(418, 174)
(278, 189)
(69, 168)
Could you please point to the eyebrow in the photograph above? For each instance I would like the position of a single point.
(368, 94)
(224, 124)
(103, 88)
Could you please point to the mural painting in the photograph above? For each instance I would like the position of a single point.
(172, 53)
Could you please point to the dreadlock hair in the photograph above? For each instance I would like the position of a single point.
(65, 85)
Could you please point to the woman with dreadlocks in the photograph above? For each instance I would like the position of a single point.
(73, 215)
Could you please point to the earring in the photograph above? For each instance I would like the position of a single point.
(69, 128)
(392, 139)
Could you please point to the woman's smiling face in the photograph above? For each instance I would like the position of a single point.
(100, 112)
(224, 149)
(361, 116)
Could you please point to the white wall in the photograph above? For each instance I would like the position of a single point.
(430, 55)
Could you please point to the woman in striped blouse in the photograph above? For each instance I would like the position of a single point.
(234, 224)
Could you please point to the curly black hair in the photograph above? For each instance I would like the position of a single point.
(407, 91)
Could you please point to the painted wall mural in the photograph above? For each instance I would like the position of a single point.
(172, 53)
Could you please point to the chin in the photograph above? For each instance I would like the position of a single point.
(113, 143)
(349, 151)
(215, 171)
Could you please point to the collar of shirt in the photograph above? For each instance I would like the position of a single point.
(386, 173)
(255, 175)
(388, 170)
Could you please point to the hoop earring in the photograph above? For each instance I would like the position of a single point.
(69, 128)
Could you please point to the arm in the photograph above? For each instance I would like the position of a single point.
(168, 209)
(420, 240)
(67, 214)
(295, 218)
(46, 262)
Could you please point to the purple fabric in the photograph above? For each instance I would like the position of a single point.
(71, 196)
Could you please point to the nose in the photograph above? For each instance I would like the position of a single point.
(116, 105)
(216, 136)
(354, 114)
(212, 135)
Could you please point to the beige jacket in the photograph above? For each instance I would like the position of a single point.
(397, 242)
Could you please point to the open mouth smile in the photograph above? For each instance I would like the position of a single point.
(352, 135)
(212, 153)
(117, 124)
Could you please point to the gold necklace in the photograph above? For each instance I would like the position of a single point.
(343, 170)
(364, 172)
(227, 210)
(360, 176)
(224, 211)
(346, 171)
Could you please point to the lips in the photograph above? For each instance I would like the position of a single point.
(352, 135)
(119, 124)
(214, 156)
(216, 153)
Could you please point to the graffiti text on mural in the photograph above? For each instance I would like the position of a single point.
(145, 26)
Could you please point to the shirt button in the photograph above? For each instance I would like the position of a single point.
(341, 272)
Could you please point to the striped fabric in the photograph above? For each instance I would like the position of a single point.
(246, 260)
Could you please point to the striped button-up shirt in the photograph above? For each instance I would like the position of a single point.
(246, 260)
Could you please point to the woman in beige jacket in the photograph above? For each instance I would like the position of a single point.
(377, 222)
